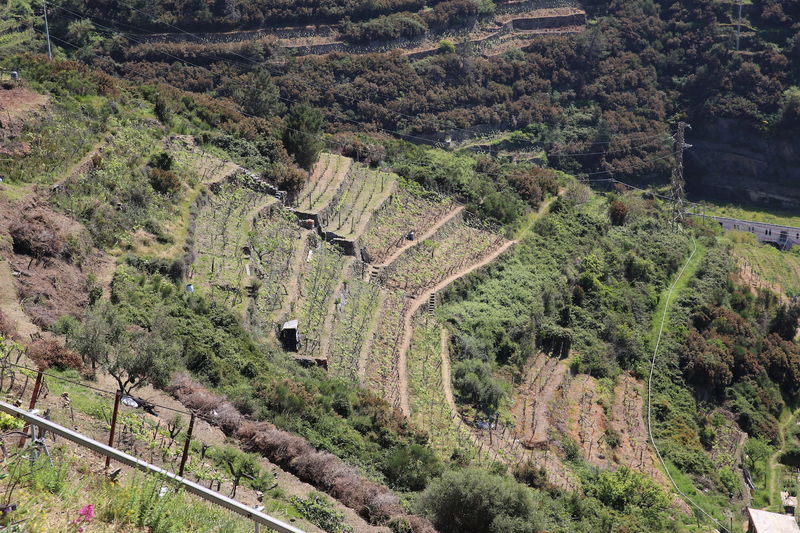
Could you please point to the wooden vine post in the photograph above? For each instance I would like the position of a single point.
(117, 398)
(36, 387)
(186, 446)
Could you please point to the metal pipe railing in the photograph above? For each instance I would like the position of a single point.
(207, 494)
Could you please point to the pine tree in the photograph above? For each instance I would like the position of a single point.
(258, 95)
(302, 135)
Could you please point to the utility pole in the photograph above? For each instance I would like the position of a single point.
(678, 193)
(739, 25)
(47, 31)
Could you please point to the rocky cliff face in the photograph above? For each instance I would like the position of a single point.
(734, 163)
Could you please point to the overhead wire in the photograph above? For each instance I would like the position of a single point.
(650, 139)
(612, 180)
(322, 136)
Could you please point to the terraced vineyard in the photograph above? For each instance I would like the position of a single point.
(454, 247)
(221, 235)
(328, 175)
(317, 284)
(405, 211)
(429, 407)
(365, 192)
(382, 372)
(273, 244)
(354, 310)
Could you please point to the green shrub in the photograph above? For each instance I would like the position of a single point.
(319, 510)
(472, 500)
(411, 467)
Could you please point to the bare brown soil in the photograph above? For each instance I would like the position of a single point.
(587, 421)
(542, 377)
(627, 418)
(50, 287)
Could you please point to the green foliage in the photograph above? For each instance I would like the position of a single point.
(472, 500)
(133, 356)
(258, 95)
(447, 46)
(8, 422)
(302, 136)
(412, 467)
(625, 488)
(319, 510)
(474, 384)
(143, 503)
(239, 465)
(568, 286)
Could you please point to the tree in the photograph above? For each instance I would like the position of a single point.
(100, 331)
(472, 501)
(258, 95)
(411, 467)
(475, 384)
(757, 451)
(143, 357)
(302, 135)
(617, 212)
(134, 356)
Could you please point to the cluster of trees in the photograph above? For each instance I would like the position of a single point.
(752, 368)
(238, 14)
(592, 289)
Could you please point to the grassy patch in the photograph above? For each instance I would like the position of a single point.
(756, 213)
(767, 262)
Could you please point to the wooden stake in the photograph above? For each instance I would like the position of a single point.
(34, 397)
(117, 398)
(186, 445)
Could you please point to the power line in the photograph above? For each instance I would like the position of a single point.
(353, 99)
(331, 141)
(650, 395)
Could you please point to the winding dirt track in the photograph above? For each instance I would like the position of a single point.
(418, 302)
(446, 375)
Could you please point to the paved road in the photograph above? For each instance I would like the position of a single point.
(765, 232)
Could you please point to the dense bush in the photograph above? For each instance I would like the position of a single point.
(472, 500)
(385, 28)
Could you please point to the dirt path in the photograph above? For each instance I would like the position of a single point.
(418, 302)
(421, 238)
(81, 165)
(10, 305)
(447, 377)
